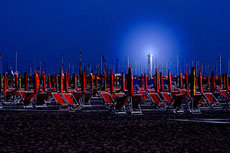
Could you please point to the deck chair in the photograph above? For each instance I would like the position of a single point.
(28, 99)
(17, 96)
(211, 100)
(59, 101)
(41, 100)
(69, 98)
(8, 97)
(143, 93)
(107, 98)
(136, 99)
(151, 91)
(179, 104)
(156, 100)
(171, 104)
(185, 93)
(77, 96)
(194, 103)
(86, 98)
(167, 98)
(116, 105)
(225, 94)
(119, 105)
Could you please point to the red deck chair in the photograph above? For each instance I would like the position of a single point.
(8, 96)
(87, 96)
(225, 94)
(120, 102)
(151, 91)
(68, 97)
(167, 97)
(136, 99)
(185, 93)
(176, 105)
(107, 98)
(23, 94)
(143, 93)
(197, 99)
(58, 99)
(28, 98)
(17, 95)
(156, 100)
(211, 100)
(178, 102)
(13, 97)
(219, 88)
(41, 98)
(117, 105)
(77, 96)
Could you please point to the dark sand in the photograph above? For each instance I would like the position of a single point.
(106, 132)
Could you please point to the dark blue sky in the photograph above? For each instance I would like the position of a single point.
(46, 29)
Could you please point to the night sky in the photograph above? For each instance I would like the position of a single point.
(43, 30)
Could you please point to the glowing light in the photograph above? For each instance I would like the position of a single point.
(137, 40)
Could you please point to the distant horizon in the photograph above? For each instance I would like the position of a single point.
(43, 31)
(176, 68)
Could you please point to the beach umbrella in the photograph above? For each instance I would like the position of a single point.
(162, 81)
(111, 82)
(157, 86)
(44, 80)
(130, 82)
(61, 81)
(186, 81)
(5, 82)
(36, 79)
(16, 81)
(221, 79)
(200, 82)
(49, 81)
(56, 81)
(91, 77)
(1, 83)
(123, 81)
(213, 78)
(19, 82)
(105, 83)
(193, 81)
(224, 81)
(146, 82)
(26, 81)
(83, 82)
(169, 81)
(181, 81)
(75, 81)
(227, 82)
(66, 82)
